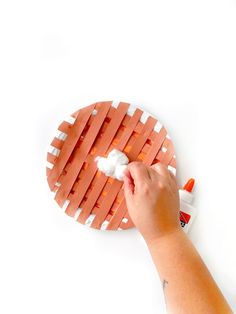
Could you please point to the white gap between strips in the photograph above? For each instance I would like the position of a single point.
(158, 127)
(172, 169)
(125, 220)
(119, 229)
(144, 117)
(58, 184)
(61, 135)
(67, 202)
(164, 149)
(70, 120)
(94, 112)
(77, 213)
(89, 220)
(49, 165)
(104, 225)
(115, 103)
(54, 151)
(131, 110)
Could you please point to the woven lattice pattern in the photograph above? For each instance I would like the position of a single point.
(80, 189)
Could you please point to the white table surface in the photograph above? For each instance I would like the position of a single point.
(177, 59)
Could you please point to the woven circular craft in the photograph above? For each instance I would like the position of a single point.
(80, 188)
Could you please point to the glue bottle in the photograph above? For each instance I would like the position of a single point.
(187, 211)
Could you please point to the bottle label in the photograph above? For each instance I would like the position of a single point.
(184, 218)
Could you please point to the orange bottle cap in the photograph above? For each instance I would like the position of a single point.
(189, 185)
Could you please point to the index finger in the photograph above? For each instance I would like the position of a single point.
(139, 173)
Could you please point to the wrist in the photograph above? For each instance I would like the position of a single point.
(165, 238)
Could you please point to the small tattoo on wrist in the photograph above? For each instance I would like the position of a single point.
(164, 283)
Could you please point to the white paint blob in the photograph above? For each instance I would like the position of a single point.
(114, 165)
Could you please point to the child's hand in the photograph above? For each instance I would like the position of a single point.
(152, 199)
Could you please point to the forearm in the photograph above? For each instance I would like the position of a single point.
(188, 285)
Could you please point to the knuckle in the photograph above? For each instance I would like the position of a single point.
(160, 168)
(162, 186)
(134, 165)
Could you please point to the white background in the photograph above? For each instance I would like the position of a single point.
(177, 59)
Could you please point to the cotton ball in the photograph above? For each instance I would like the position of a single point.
(118, 157)
(119, 172)
(114, 165)
(105, 166)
